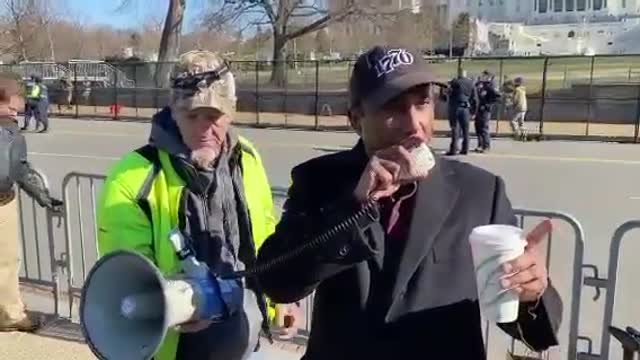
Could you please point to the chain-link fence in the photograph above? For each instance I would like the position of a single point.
(568, 96)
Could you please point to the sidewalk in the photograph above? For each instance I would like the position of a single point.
(61, 339)
(22, 346)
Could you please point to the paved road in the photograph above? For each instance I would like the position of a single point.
(595, 182)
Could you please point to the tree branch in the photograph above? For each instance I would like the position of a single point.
(308, 14)
(350, 8)
(268, 9)
(230, 12)
(123, 6)
(317, 25)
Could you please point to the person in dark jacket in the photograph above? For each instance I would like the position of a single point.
(16, 171)
(42, 113)
(488, 95)
(398, 280)
(462, 99)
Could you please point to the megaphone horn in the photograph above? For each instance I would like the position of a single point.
(127, 305)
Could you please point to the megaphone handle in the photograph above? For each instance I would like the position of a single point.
(183, 245)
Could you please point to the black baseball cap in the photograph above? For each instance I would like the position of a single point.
(384, 72)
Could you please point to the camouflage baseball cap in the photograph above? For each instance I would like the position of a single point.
(202, 79)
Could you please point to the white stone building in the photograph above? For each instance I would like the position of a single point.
(535, 27)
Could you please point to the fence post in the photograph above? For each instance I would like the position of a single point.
(349, 68)
(75, 88)
(544, 94)
(116, 106)
(155, 87)
(135, 87)
(637, 125)
(501, 104)
(257, 69)
(286, 93)
(593, 62)
(317, 100)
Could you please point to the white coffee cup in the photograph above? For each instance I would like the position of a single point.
(491, 247)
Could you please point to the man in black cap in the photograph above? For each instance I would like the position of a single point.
(397, 279)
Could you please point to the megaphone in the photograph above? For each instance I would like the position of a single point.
(127, 305)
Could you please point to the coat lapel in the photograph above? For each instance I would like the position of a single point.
(435, 198)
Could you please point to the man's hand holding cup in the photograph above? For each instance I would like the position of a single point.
(510, 268)
(527, 275)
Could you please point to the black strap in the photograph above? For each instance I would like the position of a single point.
(150, 153)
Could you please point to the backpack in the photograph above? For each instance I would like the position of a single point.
(13, 153)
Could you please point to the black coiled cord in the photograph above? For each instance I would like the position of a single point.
(316, 242)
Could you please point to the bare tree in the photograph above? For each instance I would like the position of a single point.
(46, 15)
(26, 21)
(170, 40)
(288, 20)
(17, 13)
(415, 30)
(153, 23)
(462, 31)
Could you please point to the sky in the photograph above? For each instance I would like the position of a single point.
(104, 12)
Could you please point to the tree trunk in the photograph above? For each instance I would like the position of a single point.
(21, 43)
(52, 51)
(23, 49)
(170, 41)
(279, 69)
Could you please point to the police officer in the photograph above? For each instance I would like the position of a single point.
(462, 99)
(15, 170)
(487, 96)
(32, 103)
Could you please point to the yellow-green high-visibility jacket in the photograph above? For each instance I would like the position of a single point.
(136, 191)
(34, 92)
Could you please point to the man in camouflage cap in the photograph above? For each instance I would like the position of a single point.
(196, 175)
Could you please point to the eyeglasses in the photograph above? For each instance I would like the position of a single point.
(198, 81)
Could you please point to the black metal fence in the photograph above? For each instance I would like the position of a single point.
(568, 95)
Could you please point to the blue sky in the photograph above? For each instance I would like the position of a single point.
(104, 11)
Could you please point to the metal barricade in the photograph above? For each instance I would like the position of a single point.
(609, 284)
(574, 285)
(46, 266)
(78, 252)
(80, 223)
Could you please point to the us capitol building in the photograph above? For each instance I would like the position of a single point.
(554, 27)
